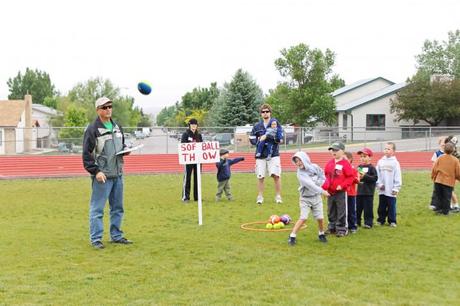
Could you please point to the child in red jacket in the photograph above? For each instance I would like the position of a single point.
(351, 197)
(339, 176)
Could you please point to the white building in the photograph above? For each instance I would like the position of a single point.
(363, 110)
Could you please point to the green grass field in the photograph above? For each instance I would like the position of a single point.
(46, 258)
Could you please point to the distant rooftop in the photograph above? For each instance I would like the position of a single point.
(371, 97)
(357, 84)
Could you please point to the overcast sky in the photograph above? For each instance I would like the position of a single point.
(177, 45)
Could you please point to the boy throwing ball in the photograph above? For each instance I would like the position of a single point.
(310, 177)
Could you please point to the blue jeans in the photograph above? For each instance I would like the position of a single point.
(112, 190)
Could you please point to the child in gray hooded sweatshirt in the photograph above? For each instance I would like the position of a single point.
(311, 178)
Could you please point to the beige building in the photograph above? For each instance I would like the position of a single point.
(16, 128)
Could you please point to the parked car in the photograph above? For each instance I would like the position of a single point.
(129, 139)
(139, 134)
(224, 139)
(65, 147)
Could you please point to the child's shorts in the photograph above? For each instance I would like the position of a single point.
(314, 203)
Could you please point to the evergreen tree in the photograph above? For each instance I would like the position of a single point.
(239, 101)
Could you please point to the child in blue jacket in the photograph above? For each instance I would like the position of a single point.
(224, 173)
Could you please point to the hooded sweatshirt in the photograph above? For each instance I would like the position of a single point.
(389, 175)
(310, 178)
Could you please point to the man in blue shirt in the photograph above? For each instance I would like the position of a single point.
(272, 166)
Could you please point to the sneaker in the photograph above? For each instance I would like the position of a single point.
(260, 200)
(341, 234)
(330, 232)
(322, 238)
(367, 226)
(186, 201)
(122, 241)
(278, 199)
(455, 210)
(217, 199)
(291, 241)
(393, 224)
(380, 223)
(98, 245)
(432, 207)
(353, 231)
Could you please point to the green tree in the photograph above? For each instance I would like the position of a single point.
(432, 102)
(166, 115)
(239, 101)
(200, 98)
(441, 57)
(74, 122)
(145, 120)
(86, 93)
(424, 98)
(34, 82)
(304, 97)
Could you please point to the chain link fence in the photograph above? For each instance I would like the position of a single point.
(164, 140)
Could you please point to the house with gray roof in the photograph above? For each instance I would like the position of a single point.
(363, 110)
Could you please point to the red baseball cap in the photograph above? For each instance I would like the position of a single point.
(366, 151)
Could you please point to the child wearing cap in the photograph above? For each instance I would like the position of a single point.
(224, 173)
(351, 197)
(388, 184)
(339, 176)
(366, 188)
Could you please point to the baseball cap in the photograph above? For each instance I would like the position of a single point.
(366, 151)
(193, 121)
(223, 151)
(101, 101)
(337, 146)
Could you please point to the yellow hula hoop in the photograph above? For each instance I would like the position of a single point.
(248, 227)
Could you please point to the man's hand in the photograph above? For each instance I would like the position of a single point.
(100, 177)
(326, 194)
(339, 187)
(263, 137)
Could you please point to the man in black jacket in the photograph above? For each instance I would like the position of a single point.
(102, 141)
(190, 135)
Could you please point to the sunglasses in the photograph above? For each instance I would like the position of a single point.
(106, 107)
(264, 111)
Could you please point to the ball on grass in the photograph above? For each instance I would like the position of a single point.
(269, 226)
(274, 219)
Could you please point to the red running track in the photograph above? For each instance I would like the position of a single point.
(32, 166)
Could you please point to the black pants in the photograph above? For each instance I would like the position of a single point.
(443, 196)
(434, 199)
(337, 212)
(365, 203)
(187, 181)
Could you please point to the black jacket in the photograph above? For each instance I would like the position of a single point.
(189, 136)
(100, 146)
(367, 183)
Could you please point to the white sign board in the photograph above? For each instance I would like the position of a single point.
(198, 152)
